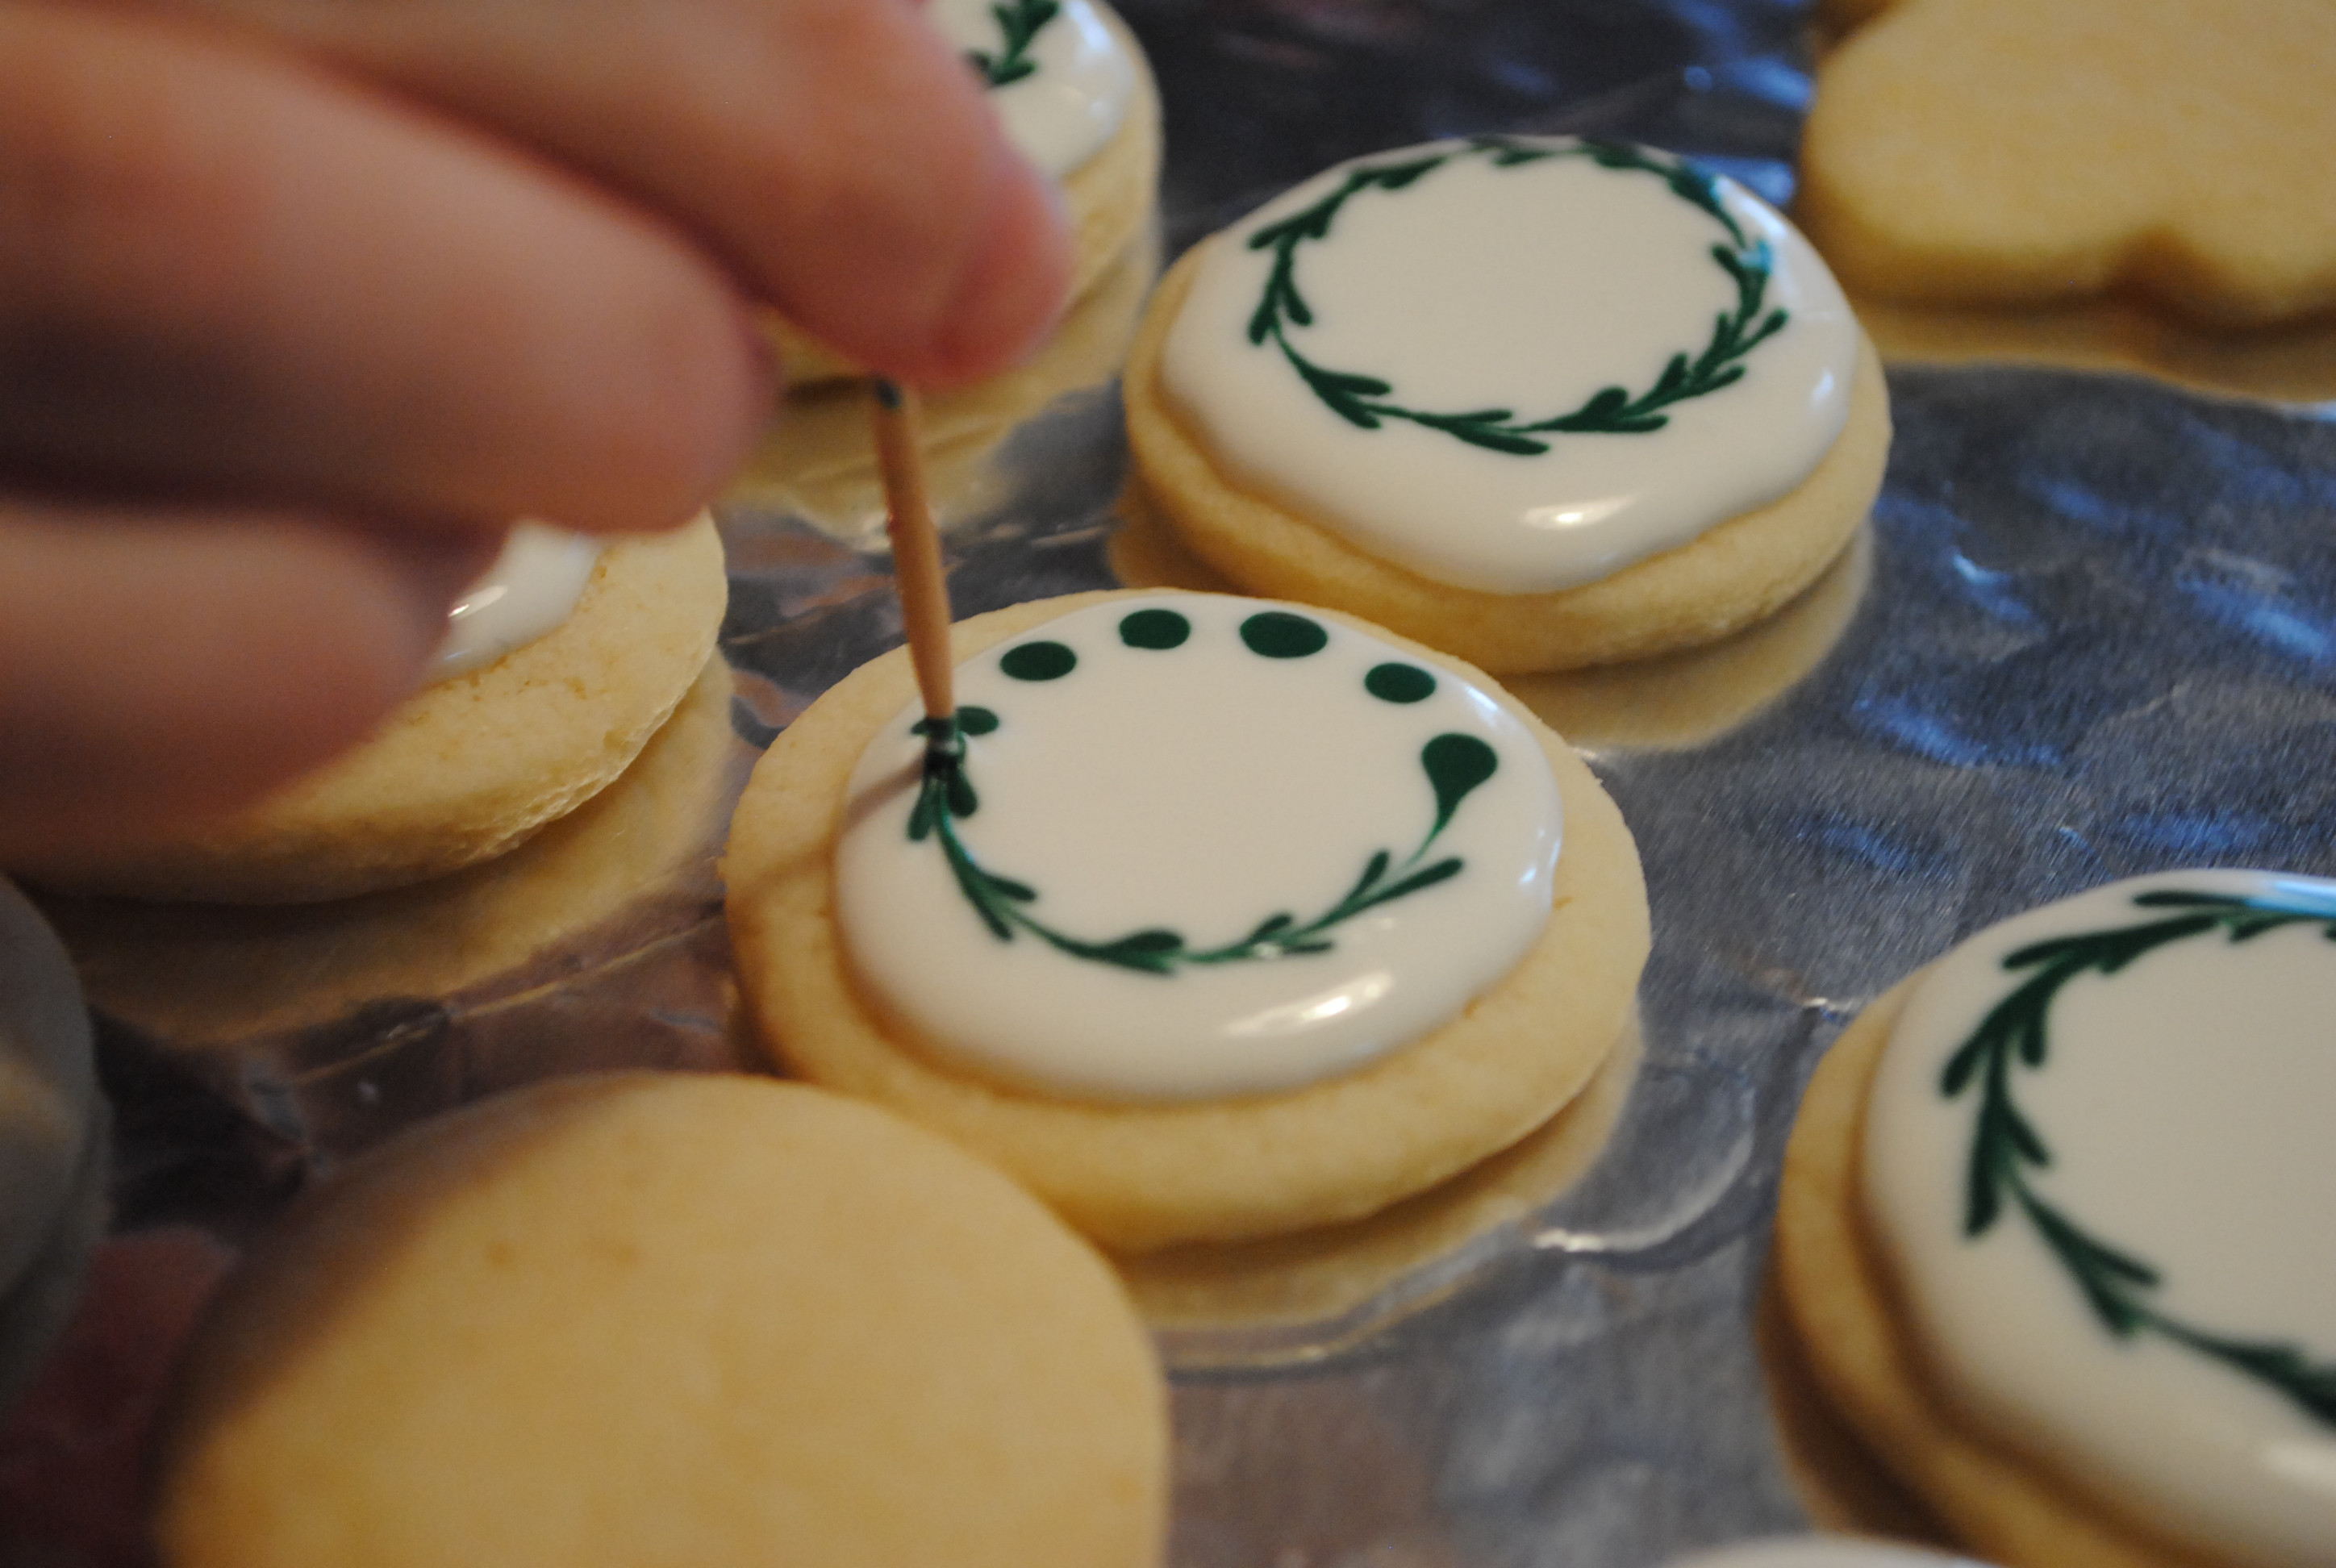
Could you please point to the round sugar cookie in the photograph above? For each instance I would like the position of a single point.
(1136, 1169)
(211, 978)
(1997, 1244)
(467, 767)
(1327, 403)
(52, 1139)
(701, 1320)
(1109, 189)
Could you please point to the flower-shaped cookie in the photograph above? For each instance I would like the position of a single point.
(2027, 151)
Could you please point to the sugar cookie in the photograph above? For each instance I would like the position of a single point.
(1211, 1042)
(2021, 151)
(694, 1319)
(1332, 1285)
(211, 980)
(1071, 88)
(2049, 1235)
(469, 766)
(1540, 403)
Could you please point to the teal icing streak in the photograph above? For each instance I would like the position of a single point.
(1455, 764)
(1368, 401)
(1019, 23)
(2005, 1144)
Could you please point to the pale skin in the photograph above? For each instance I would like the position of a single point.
(303, 301)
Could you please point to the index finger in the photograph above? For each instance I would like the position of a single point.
(837, 155)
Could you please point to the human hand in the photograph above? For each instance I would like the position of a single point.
(282, 349)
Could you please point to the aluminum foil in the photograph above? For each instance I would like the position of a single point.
(2091, 632)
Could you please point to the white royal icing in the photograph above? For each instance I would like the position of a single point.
(532, 586)
(1530, 289)
(1062, 113)
(1201, 788)
(1821, 1551)
(2184, 1101)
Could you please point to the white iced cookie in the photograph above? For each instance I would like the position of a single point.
(1062, 80)
(1228, 918)
(1467, 388)
(2093, 1170)
(1514, 365)
(1072, 91)
(572, 657)
(1195, 847)
(1069, 83)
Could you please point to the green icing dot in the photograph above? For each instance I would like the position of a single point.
(1038, 661)
(1399, 682)
(1278, 634)
(1155, 628)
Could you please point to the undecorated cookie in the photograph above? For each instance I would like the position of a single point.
(2026, 151)
(697, 1321)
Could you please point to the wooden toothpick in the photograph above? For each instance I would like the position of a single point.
(916, 556)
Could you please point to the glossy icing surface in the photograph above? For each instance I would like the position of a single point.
(1217, 847)
(1821, 1551)
(531, 587)
(1058, 78)
(1514, 365)
(2099, 1172)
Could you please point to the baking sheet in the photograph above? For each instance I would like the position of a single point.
(2090, 632)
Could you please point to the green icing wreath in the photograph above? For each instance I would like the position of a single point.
(1018, 24)
(1455, 764)
(2005, 1144)
(1368, 401)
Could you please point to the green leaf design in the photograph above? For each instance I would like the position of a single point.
(1367, 402)
(1456, 765)
(1018, 24)
(2005, 1146)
